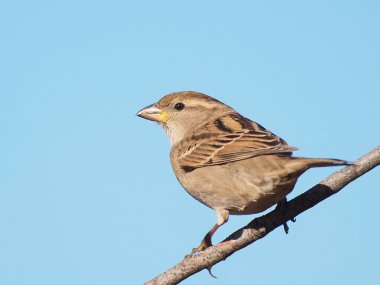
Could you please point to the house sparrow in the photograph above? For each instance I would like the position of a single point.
(224, 160)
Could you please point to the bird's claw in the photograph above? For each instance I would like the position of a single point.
(286, 228)
(209, 271)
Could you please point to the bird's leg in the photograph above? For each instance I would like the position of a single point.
(206, 241)
(282, 207)
(221, 218)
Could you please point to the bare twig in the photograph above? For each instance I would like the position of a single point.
(260, 227)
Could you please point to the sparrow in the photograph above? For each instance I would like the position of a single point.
(225, 161)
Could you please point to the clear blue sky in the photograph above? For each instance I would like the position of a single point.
(87, 195)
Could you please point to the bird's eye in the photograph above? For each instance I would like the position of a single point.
(179, 106)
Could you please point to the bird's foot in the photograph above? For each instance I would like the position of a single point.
(282, 205)
(286, 227)
(204, 244)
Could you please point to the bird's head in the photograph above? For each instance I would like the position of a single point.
(181, 113)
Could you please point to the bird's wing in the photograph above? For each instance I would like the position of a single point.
(227, 139)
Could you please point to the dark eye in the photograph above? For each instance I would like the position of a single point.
(179, 106)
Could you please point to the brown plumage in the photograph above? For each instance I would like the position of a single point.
(224, 160)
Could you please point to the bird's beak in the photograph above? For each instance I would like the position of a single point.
(153, 113)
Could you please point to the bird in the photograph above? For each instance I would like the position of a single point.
(224, 160)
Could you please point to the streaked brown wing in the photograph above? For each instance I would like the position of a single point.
(227, 139)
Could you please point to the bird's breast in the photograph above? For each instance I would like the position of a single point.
(243, 187)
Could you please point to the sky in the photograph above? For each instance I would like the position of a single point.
(87, 194)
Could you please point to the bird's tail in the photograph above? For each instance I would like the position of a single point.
(322, 162)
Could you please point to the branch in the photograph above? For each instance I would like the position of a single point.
(260, 227)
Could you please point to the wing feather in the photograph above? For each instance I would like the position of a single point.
(227, 139)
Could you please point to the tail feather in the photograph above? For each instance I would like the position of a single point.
(322, 162)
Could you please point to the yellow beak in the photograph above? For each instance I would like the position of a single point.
(153, 113)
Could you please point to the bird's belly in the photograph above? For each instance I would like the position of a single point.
(241, 190)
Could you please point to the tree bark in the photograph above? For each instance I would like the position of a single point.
(261, 226)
